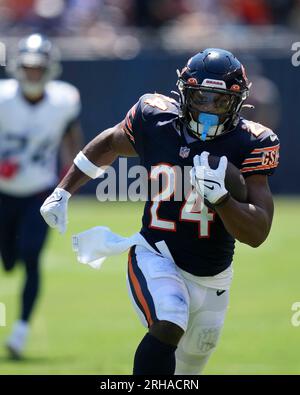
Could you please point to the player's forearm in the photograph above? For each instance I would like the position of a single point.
(73, 180)
(246, 222)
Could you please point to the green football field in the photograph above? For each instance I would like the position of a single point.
(85, 324)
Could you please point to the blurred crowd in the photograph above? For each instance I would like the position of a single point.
(93, 17)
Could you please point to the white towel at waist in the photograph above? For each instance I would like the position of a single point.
(94, 245)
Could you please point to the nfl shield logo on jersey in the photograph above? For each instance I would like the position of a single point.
(184, 152)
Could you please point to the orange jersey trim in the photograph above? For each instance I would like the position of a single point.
(261, 167)
(128, 123)
(266, 149)
(252, 160)
(138, 291)
(125, 128)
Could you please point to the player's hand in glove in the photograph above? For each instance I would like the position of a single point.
(209, 183)
(55, 208)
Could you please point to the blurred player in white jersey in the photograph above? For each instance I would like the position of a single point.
(38, 118)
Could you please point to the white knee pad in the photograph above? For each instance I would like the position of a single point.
(195, 348)
(200, 340)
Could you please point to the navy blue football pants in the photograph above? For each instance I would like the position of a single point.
(22, 236)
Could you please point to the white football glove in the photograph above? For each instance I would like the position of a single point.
(209, 183)
(54, 209)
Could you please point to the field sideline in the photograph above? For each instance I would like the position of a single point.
(85, 324)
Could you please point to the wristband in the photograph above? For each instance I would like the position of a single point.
(87, 167)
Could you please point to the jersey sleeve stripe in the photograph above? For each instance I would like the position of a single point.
(252, 160)
(130, 116)
(261, 167)
(133, 111)
(265, 149)
(125, 128)
(128, 123)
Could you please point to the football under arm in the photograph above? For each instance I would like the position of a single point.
(250, 223)
(102, 152)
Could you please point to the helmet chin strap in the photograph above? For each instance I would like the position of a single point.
(207, 126)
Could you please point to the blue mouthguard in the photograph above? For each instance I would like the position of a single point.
(207, 120)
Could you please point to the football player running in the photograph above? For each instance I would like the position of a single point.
(37, 116)
(180, 284)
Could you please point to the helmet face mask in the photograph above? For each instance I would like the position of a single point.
(212, 87)
(36, 57)
(209, 101)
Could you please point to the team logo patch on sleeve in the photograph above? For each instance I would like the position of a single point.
(261, 159)
(270, 158)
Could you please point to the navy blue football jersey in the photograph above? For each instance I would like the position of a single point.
(194, 233)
